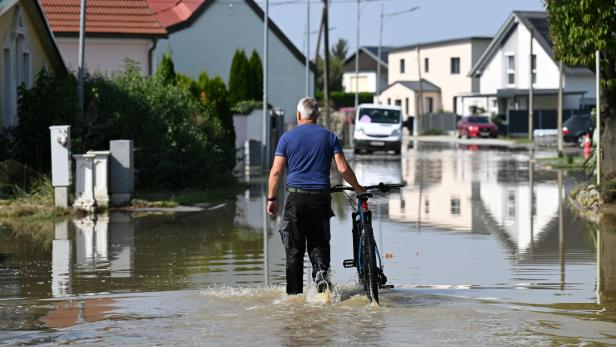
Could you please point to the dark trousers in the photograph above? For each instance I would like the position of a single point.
(305, 221)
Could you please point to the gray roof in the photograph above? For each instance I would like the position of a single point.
(372, 52)
(442, 43)
(426, 85)
(534, 21)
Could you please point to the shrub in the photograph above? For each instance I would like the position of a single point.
(342, 99)
(166, 70)
(181, 143)
(247, 106)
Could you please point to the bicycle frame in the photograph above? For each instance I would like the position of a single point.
(365, 218)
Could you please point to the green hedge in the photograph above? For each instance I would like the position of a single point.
(181, 143)
(342, 99)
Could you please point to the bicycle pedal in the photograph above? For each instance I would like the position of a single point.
(387, 286)
(347, 263)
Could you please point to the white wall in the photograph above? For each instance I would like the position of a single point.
(106, 55)
(367, 82)
(210, 42)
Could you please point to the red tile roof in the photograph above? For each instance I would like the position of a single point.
(172, 12)
(104, 17)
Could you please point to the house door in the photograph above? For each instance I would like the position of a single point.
(430, 107)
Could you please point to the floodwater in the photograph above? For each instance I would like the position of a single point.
(479, 246)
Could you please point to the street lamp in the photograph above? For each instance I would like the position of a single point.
(378, 68)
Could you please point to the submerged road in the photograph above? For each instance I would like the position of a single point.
(479, 246)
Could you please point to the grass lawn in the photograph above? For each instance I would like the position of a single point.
(187, 197)
(566, 162)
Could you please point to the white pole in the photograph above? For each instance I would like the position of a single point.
(81, 62)
(560, 109)
(598, 112)
(530, 91)
(378, 66)
(308, 48)
(357, 61)
(265, 76)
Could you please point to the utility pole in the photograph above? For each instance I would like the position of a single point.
(308, 93)
(560, 110)
(382, 22)
(598, 114)
(357, 60)
(530, 90)
(378, 54)
(326, 60)
(420, 113)
(81, 62)
(266, 144)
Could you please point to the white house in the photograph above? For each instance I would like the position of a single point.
(443, 64)
(204, 35)
(366, 80)
(115, 31)
(28, 45)
(504, 72)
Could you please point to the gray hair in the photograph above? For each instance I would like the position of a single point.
(308, 108)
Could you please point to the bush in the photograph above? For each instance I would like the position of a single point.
(342, 99)
(239, 76)
(247, 106)
(256, 77)
(181, 143)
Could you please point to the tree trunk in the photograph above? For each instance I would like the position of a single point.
(608, 117)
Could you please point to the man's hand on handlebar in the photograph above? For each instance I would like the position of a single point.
(359, 189)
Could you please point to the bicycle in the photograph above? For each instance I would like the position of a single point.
(365, 250)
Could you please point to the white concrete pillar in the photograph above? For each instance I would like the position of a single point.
(84, 182)
(101, 237)
(61, 163)
(101, 177)
(61, 261)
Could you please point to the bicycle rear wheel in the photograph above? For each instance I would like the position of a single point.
(371, 279)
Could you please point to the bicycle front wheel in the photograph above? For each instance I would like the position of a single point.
(371, 279)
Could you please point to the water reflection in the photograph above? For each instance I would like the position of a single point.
(606, 262)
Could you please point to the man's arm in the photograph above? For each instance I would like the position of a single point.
(346, 172)
(274, 181)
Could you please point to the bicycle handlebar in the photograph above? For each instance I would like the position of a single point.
(382, 187)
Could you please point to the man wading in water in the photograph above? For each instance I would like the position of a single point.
(307, 153)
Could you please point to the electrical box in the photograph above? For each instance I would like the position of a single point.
(60, 155)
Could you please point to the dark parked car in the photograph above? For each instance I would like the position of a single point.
(576, 128)
(476, 126)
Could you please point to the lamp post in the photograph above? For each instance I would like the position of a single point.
(266, 138)
(308, 93)
(378, 68)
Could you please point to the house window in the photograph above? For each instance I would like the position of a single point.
(402, 67)
(430, 101)
(533, 68)
(426, 65)
(455, 207)
(402, 204)
(455, 65)
(388, 101)
(406, 105)
(398, 102)
(510, 69)
(427, 206)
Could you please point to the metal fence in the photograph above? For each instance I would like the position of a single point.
(443, 122)
(542, 119)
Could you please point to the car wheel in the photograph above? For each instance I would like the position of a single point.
(458, 134)
(580, 140)
(356, 151)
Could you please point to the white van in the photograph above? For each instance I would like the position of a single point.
(378, 128)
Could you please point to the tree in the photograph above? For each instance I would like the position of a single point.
(215, 100)
(337, 57)
(578, 29)
(166, 70)
(239, 78)
(256, 76)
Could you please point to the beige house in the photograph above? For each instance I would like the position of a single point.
(28, 46)
(442, 64)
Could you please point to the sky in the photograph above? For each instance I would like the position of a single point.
(434, 20)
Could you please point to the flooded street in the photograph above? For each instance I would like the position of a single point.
(482, 249)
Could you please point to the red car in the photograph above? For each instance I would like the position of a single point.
(476, 126)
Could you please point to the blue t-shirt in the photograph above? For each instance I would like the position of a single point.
(309, 150)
